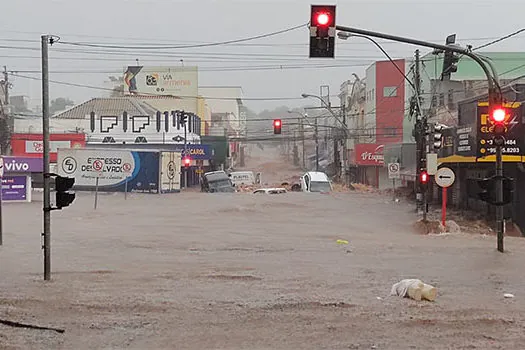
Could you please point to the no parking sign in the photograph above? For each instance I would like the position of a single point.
(393, 171)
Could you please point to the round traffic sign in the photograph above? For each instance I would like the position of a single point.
(98, 165)
(393, 167)
(445, 177)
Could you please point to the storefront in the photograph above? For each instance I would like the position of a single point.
(32, 146)
(370, 165)
(16, 182)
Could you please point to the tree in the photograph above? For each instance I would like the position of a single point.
(60, 104)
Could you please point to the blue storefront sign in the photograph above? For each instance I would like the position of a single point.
(201, 152)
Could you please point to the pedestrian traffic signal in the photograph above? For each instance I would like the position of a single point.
(187, 161)
(322, 31)
(498, 116)
(423, 177)
(62, 186)
(277, 126)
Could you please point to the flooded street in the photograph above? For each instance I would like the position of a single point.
(243, 271)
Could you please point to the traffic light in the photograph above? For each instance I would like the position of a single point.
(487, 190)
(437, 136)
(498, 117)
(277, 126)
(423, 177)
(322, 31)
(183, 118)
(187, 161)
(62, 186)
(450, 60)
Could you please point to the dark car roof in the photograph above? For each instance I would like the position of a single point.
(215, 176)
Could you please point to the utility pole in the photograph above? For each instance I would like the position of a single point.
(301, 121)
(6, 86)
(185, 149)
(316, 146)
(47, 178)
(420, 134)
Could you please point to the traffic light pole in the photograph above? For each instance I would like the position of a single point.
(493, 93)
(185, 153)
(494, 98)
(316, 146)
(499, 196)
(45, 133)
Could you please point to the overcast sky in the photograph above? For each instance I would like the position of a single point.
(139, 22)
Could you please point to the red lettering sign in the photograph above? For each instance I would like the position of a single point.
(369, 154)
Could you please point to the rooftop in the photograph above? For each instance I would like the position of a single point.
(108, 106)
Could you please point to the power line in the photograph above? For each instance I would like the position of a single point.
(267, 35)
(500, 39)
(151, 94)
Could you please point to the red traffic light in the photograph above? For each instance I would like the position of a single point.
(187, 161)
(323, 19)
(277, 126)
(322, 16)
(423, 177)
(498, 115)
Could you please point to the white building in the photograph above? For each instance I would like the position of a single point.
(103, 121)
(226, 100)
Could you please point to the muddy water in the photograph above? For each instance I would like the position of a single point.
(238, 271)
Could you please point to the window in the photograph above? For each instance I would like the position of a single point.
(389, 91)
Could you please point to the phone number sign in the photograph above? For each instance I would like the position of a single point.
(513, 134)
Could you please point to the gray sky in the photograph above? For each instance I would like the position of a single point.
(135, 22)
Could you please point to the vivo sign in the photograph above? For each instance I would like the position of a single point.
(23, 165)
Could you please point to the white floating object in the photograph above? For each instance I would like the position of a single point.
(508, 295)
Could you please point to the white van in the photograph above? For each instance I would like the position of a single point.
(315, 181)
(246, 178)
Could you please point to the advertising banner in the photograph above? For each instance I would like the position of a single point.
(369, 154)
(23, 165)
(14, 188)
(201, 152)
(113, 168)
(513, 134)
(31, 145)
(174, 81)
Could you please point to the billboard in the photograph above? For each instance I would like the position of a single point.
(116, 170)
(369, 154)
(14, 188)
(513, 135)
(173, 81)
(31, 145)
(22, 165)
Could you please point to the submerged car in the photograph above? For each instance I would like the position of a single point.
(316, 181)
(216, 181)
(278, 190)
